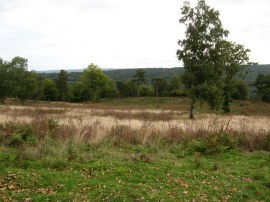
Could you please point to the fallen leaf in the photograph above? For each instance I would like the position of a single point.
(185, 192)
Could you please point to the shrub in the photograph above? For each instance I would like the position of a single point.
(241, 140)
(218, 143)
(197, 159)
(27, 135)
(16, 140)
(72, 152)
(198, 146)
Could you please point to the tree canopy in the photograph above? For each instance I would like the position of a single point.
(262, 84)
(97, 83)
(210, 62)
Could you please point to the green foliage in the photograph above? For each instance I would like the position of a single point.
(17, 82)
(199, 146)
(220, 143)
(236, 61)
(3, 82)
(124, 89)
(62, 85)
(138, 80)
(50, 90)
(160, 85)
(146, 90)
(197, 159)
(199, 51)
(211, 63)
(262, 84)
(78, 93)
(16, 140)
(166, 73)
(72, 153)
(213, 144)
(240, 91)
(96, 83)
(22, 135)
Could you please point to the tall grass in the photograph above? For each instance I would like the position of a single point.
(80, 124)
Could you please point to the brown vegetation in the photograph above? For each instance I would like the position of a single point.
(95, 123)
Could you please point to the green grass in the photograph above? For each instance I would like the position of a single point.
(238, 107)
(133, 173)
(148, 102)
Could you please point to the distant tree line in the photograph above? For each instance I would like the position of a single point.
(20, 84)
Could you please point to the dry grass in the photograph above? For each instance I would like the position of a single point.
(92, 123)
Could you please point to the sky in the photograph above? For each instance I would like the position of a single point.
(71, 34)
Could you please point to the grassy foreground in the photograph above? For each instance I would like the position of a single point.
(131, 173)
(107, 152)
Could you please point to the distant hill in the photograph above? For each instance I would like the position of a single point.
(125, 74)
(68, 70)
(256, 70)
(167, 73)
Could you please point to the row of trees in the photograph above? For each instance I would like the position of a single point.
(138, 86)
(19, 83)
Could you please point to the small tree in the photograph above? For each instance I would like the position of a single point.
(131, 87)
(236, 63)
(262, 84)
(139, 79)
(159, 85)
(62, 85)
(50, 90)
(240, 91)
(96, 82)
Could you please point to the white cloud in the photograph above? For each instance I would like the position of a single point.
(116, 33)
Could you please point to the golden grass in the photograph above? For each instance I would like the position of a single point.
(83, 115)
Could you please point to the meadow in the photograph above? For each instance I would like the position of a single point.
(134, 149)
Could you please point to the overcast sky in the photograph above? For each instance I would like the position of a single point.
(68, 34)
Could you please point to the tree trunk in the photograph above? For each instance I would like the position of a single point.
(192, 107)
(138, 92)
(226, 103)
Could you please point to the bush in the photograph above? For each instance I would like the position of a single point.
(72, 152)
(27, 135)
(16, 141)
(23, 135)
(198, 146)
(221, 142)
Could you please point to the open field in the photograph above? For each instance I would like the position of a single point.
(133, 151)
